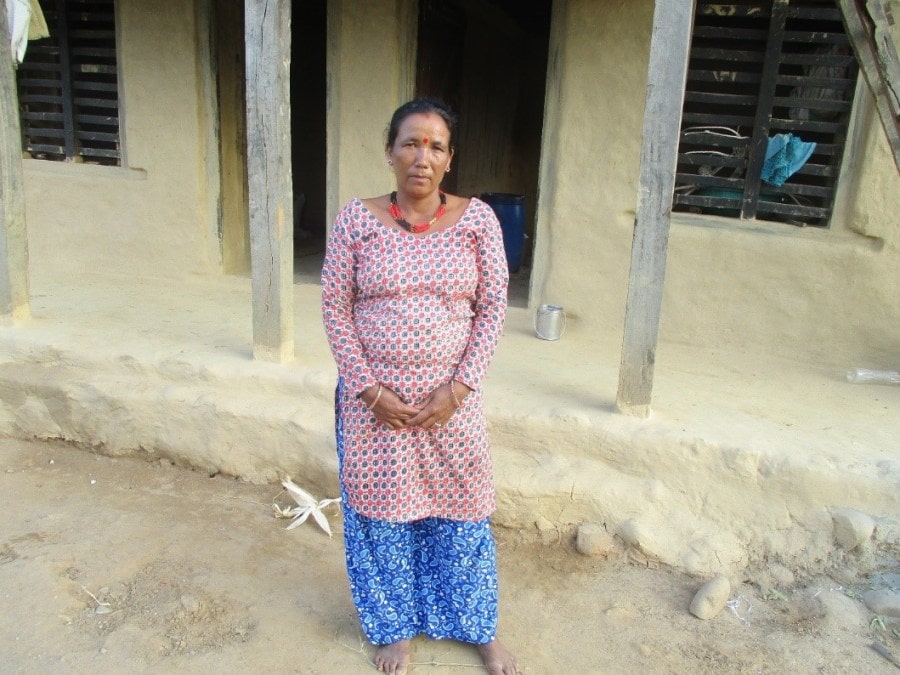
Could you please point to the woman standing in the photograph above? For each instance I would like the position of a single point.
(414, 299)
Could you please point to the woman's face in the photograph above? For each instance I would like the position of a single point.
(421, 154)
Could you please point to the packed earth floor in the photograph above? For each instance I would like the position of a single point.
(122, 565)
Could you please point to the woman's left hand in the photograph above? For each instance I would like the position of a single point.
(439, 406)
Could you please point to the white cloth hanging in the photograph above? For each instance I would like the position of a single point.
(25, 21)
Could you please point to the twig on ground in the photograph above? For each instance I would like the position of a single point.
(242, 499)
(775, 594)
(102, 607)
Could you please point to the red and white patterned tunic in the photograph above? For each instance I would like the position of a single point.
(413, 312)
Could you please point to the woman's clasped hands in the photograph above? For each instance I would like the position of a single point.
(435, 411)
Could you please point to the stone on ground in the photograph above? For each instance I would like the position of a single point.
(593, 540)
(851, 527)
(883, 602)
(711, 598)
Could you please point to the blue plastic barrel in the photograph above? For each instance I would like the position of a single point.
(510, 210)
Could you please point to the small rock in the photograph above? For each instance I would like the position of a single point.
(841, 613)
(845, 575)
(592, 539)
(619, 613)
(884, 602)
(781, 575)
(711, 598)
(548, 531)
(544, 525)
(647, 651)
(851, 527)
(642, 547)
(190, 603)
(632, 533)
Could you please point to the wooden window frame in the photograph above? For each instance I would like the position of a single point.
(759, 68)
(68, 86)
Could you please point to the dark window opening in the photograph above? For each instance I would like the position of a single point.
(767, 105)
(68, 85)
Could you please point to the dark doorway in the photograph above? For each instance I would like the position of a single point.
(229, 56)
(308, 156)
(308, 151)
(488, 59)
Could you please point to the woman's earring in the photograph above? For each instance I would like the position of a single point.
(390, 162)
(447, 170)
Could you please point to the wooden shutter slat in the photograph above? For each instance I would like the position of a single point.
(96, 85)
(48, 132)
(755, 11)
(723, 54)
(82, 102)
(38, 116)
(97, 136)
(717, 98)
(100, 152)
(99, 120)
(717, 120)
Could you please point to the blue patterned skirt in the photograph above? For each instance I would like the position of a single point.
(433, 576)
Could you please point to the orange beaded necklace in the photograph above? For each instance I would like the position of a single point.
(397, 215)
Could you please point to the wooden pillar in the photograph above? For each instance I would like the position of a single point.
(669, 51)
(268, 45)
(13, 236)
(868, 28)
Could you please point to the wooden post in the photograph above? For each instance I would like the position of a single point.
(669, 52)
(763, 117)
(268, 45)
(876, 52)
(13, 236)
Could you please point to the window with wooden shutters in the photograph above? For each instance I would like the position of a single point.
(767, 106)
(68, 85)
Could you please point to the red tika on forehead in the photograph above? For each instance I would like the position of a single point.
(425, 140)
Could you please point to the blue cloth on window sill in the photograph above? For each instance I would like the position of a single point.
(785, 154)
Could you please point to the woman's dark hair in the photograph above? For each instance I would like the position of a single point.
(422, 106)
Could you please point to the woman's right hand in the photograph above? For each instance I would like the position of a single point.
(388, 407)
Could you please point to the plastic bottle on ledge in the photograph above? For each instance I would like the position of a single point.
(868, 376)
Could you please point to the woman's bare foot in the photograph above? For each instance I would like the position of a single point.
(394, 658)
(497, 659)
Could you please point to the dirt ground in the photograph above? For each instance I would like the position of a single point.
(126, 566)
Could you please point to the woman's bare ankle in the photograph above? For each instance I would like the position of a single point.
(497, 659)
(393, 658)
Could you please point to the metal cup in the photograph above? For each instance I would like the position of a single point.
(549, 322)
